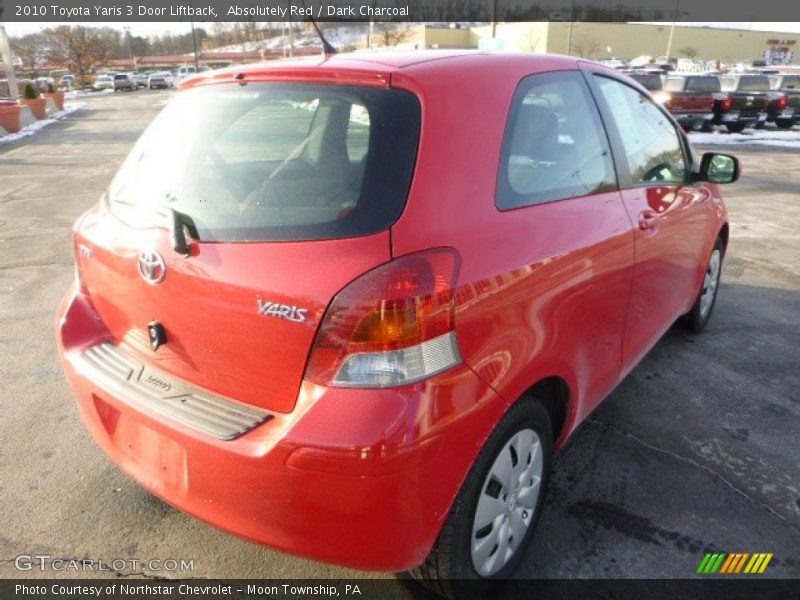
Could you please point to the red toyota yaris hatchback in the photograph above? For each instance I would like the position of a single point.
(349, 307)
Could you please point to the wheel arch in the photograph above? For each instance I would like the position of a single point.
(553, 393)
(724, 234)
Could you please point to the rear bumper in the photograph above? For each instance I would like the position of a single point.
(362, 478)
(692, 119)
(735, 116)
(787, 114)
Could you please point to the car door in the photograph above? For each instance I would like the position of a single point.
(669, 213)
(555, 288)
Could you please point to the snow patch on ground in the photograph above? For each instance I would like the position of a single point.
(83, 93)
(758, 137)
(36, 126)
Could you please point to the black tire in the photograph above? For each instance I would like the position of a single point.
(697, 318)
(735, 127)
(784, 123)
(448, 569)
(760, 125)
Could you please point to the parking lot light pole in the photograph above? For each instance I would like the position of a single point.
(194, 46)
(672, 29)
(5, 52)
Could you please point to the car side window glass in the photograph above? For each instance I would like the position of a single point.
(651, 143)
(357, 140)
(555, 146)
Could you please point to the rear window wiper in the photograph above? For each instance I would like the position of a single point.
(179, 225)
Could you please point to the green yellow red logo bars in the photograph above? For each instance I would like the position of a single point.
(734, 563)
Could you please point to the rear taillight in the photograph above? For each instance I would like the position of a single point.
(78, 250)
(726, 103)
(392, 326)
(662, 98)
(782, 102)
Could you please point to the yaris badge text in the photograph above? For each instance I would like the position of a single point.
(282, 311)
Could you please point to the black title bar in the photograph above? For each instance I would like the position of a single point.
(735, 588)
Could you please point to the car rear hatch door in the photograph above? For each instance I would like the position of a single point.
(793, 98)
(749, 101)
(239, 318)
(290, 190)
(691, 103)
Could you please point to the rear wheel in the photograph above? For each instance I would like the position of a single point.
(697, 318)
(735, 127)
(784, 123)
(493, 517)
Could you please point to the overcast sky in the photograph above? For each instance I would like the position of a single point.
(148, 29)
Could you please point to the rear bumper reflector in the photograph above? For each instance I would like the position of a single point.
(150, 390)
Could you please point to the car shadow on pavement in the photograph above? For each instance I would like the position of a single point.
(695, 451)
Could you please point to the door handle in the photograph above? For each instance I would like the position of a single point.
(648, 219)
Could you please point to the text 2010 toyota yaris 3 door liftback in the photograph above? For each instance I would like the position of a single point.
(349, 308)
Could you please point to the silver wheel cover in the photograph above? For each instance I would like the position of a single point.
(710, 283)
(507, 501)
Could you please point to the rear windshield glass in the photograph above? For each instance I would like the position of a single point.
(756, 83)
(702, 84)
(274, 161)
(790, 83)
(650, 81)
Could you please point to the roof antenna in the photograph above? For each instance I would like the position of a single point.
(327, 47)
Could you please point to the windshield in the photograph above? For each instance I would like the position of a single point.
(650, 81)
(274, 161)
(790, 83)
(702, 84)
(754, 84)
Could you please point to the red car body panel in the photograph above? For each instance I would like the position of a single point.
(670, 241)
(220, 284)
(576, 289)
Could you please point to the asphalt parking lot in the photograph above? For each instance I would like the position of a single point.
(697, 450)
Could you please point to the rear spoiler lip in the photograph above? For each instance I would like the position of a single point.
(294, 74)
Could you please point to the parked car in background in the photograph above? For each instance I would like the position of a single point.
(649, 79)
(103, 82)
(184, 72)
(159, 80)
(614, 63)
(785, 114)
(124, 81)
(742, 101)
(690, 99)
(140, 79)
(42, 83)
(347, 375)
(664, 66)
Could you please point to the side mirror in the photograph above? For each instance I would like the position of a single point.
(719, 168)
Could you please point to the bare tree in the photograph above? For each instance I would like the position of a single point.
(391, 34)
(585, 47)
(30, 49)
(81, 48)
(689, 52)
